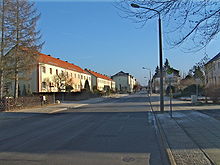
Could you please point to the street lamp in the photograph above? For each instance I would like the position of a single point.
(160, 53)
(150, 78)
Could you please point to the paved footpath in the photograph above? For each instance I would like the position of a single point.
(192, 135)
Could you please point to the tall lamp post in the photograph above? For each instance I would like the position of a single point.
(160, 53)
(150, 79)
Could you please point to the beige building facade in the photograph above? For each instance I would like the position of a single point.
(101, 82)
(212, 72)
(124, 82)
(54, 75)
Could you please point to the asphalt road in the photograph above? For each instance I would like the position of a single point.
(117, 131)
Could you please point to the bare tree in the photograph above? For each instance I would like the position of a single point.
(187, 81)
(196, 22)
(4, 38)
(63, 82)
(199, 71)
(25, 40)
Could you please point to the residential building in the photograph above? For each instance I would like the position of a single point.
(124, 82)
(100, 81)
(212, 72)
(54, 75)
(171, 77)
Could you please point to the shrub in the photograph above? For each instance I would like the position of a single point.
(191, 90)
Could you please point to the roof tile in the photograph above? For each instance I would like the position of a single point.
(99, 75)
(47, 59)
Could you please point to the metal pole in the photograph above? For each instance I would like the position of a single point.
(197, 90)
(171, 96)
(150, 83)
(161, 66)
(160, 52)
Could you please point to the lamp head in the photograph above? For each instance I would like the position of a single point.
(135, 5)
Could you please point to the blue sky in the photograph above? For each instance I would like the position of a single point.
(92, 34)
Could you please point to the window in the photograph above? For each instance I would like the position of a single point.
(29, 86)
(8, 85)
(81, 77)
(44, 85)
(71, 75)
(75, 75)
(84, 77)
(78, 76)
(51, 72)
(213, 66)
(43, 69)
(57, 71)
(218, 65)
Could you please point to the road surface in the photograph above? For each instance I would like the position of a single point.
(117, 131)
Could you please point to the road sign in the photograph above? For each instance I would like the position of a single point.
(169, 71)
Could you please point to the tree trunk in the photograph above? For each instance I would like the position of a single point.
(1, 83)
(16, 84)
(2, 47)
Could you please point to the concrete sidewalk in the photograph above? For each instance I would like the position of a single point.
(190, 136)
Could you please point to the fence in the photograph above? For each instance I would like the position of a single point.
(8, 104)
(75, 96)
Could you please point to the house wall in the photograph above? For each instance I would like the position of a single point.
(175, 80)
(42, 74)
(121, 83)
(156, 84)
(85, 77)
(93, 81)
(212, 74)
(29, 83)
(78, 79)
(132, 83)
(101, 83)
(113, 85)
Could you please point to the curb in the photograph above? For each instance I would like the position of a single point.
(58, 110)
(163, 140)
(165, 144)
(64, 109)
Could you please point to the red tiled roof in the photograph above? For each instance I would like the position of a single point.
(99, 75)
(47, 59)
